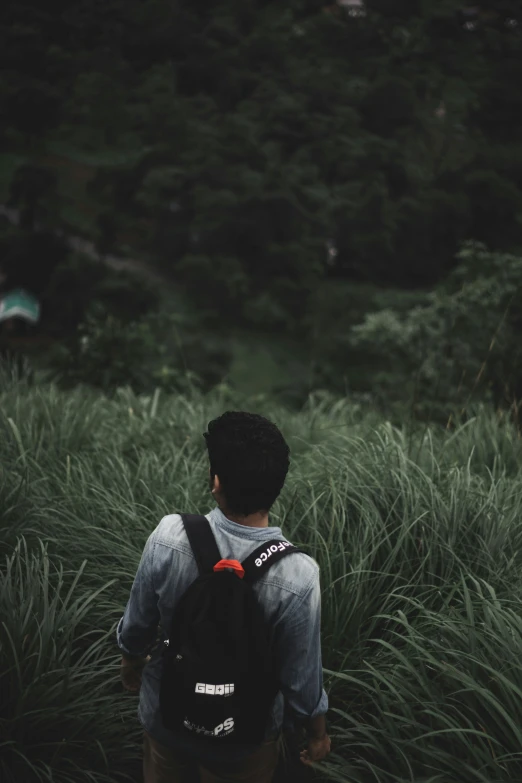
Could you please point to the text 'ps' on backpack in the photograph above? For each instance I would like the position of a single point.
(219, 680)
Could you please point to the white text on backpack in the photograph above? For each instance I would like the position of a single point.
(271, 549)
(215, 690)
(224, 728)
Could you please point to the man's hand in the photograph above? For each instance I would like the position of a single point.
(131, 669)
(317, 749)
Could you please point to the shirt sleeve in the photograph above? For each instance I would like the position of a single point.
(299, 660)
(137, 629)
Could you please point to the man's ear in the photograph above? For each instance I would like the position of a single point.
(213, 483)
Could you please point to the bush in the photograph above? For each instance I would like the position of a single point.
(144, 354)
(29, 260)
(339, 364)
(462, 345)
(80, 283)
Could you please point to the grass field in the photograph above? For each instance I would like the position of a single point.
(418, 533)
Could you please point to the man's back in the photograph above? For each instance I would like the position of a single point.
(289, 595)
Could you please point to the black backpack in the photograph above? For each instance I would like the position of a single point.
(219, 680)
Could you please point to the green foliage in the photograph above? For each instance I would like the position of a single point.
(463, 342)
(33, 192)
(29, 259)
(337, 363)
(234, 144)
(228, 147)
(144, 354)
(108, 353)
(416, 530)
(80, 283)
(58, 676)
(66, 283)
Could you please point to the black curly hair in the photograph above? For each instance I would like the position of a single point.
(251, 458)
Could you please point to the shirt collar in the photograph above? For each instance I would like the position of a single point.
(217, 516)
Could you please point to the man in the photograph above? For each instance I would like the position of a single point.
(249, 461)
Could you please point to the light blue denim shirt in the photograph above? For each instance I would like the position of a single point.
(289, 593)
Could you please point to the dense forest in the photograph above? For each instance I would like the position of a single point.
(309, 209)
(283, 164)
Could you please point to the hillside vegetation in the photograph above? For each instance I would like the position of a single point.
(417, 532)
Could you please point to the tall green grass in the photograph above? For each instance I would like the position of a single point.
(61, 710)
(417, 532)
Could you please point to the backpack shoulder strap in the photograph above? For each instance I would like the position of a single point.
(260, 560)
(202, 541)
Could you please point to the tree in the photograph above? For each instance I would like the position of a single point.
(235, 140)
(33, 191)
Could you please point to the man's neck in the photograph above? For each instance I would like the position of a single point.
(251, 520)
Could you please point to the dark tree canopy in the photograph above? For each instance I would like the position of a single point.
(246, 135)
